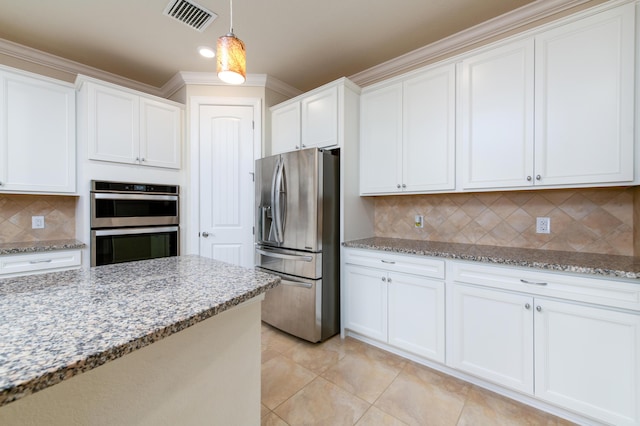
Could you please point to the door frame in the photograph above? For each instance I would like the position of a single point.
(192, 240)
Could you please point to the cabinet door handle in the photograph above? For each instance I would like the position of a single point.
(384, 279)
(390, 262)
(529, 178)
(297, 147)
(33, 262)
(388, 280)
(404, 185)
(398, 186)
(538, 177)
(539, 308)
(532, 282)
(527, 306)
(304, 146)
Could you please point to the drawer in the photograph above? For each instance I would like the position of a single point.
(407, 263)
(599, 291)
(31, 263)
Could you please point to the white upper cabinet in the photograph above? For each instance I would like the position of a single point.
(37, 134)
(585, 100)
(407, 136)
(125, 127)
(578, 101)
(309, 120)
(497, 117)
(285, 128)
(381, 140)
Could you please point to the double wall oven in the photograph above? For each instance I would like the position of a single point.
(133, 221)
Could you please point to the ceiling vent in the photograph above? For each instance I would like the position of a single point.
(192, 14)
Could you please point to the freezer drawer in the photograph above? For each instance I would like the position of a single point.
(292, 262)
(295, 306)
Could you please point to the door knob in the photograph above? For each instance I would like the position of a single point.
(205, 234)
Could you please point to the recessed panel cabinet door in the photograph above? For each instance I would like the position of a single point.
(497, 117)
(114, 124)
(38, 137)
(588, 360)
(416, 315)
(381, 140)
(160, 128)
(319, 119)
(585, 100)
(365, 304)
(428, 149)
(285, 128)
(493, 336)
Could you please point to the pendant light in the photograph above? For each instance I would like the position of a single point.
(232, 60)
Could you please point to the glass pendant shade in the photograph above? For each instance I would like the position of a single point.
(232, 59)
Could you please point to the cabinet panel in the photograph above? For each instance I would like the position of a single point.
(366, 301)
(319, 118)
(32, 263)
(585, 100)
(113, 123)
(497, 117)
(428, 148)
(381, 140)
(38, 140)
(160, 134)
(285, 128)
(588, 359)
(416, 315)
(493, 336)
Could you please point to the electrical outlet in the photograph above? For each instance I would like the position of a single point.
(419, 221)
(543, 225)
(37, 222)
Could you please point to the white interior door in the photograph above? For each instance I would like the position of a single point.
(226, 183)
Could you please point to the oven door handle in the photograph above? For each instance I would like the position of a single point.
(112, 196)
(131, 231)
(285, 256)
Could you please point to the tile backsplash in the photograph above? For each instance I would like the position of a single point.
(582, 220)
(16, 211)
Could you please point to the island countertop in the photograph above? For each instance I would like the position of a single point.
(612, 266)
(57, 325)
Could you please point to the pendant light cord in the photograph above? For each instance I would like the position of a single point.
(231, 16)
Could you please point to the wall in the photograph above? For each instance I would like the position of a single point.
(582, 220)
(16, 212)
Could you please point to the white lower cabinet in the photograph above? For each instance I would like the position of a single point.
(579, 356)
(13, 265)
(493, 336)
(404, 310)
(587, 359)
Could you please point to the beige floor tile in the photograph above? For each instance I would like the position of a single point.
(421, 396)
(281, 378)
(276, 340)
(272, 419)
(487, 408)
(268, 354)
(322, 403)
(377, 417)
(365, 374)
(264, 410)
(317, 357)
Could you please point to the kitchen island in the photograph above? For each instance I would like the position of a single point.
(164, 341)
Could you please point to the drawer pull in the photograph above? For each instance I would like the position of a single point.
(33, 262)
(531, 282)
(388, 261)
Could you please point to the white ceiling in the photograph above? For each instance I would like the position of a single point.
(303, 43)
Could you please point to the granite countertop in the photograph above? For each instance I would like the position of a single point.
(39, 246)
(612, 266)
(60, 324)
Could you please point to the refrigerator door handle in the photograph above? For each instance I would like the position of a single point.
(279, 192)
(285, 256)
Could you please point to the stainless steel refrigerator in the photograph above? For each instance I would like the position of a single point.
(297, 237)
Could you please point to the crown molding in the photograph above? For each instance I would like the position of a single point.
(48, 60)
(183, 78)
(484, 31)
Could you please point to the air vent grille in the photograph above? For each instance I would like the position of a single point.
(192, 14)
